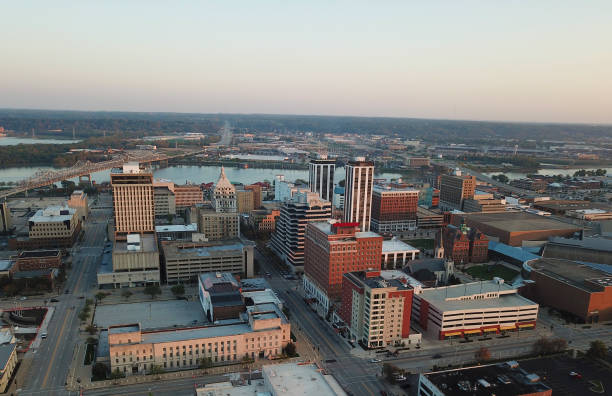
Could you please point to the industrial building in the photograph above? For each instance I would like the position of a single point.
(472, 309)
(571, 287)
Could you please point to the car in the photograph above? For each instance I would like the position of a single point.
(43, 335)
(375, 360)
(67, 291)
(330, 361)
(23, 298)
(54, 300)
(436, 356)
(575, 375)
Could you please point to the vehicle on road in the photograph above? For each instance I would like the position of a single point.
(330, 361)
(576, 375)
(54, 300)
(43, 335)
(375, 360)
(67, 291)
(23, 298)
(436, 356)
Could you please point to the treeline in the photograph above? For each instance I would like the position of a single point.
(522, 161)
(87, 124)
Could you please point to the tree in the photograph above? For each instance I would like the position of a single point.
(117, 374)
(170, 217)
(91, 341)
(483, 354)
(156, 369)
(126, 294)
(99, 371)
(597, 350)
(290, 349)
(91, 329)
(206, 363)
(388, 371)
(502, 178)
(178, 290)
(545, 345)
(100, 296)
(83, 316)
(152, 290)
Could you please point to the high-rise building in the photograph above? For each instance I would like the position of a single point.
(245, 200)
(256, 188)
(224, 195)
(455, 189)
(321, 177)
(376, 306)
(394, 209)
(187, 195)
(332, 250)
(358, 192)
(6, 223)
(287, 241)
(163, 198)
(132, 200)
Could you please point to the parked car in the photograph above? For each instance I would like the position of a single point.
(43, 335)
(54, 300)
(375, 360)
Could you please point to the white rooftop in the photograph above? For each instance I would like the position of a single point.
(395, 245)
(53, 214)
(296, 380)
(397, 274)
(177, 228)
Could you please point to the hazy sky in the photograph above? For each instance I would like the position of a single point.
(492, 59)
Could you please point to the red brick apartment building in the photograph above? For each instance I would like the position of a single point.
(462, 245)
(332, 250)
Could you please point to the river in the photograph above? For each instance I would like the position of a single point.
(195, 174)
(13, 141)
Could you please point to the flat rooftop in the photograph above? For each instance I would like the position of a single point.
(572, 272)
(177, 249)
(446, 298)
(123, 329)
(6, 264)
(147, 245)
(518, 221)
(39, 253)
(424, 212)
(193, 227)
(53, 214)
(498, 379)
(395, 245)
(300, 380)
(151, 315)
(196, 333)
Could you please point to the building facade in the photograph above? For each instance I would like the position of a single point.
(358, 192)
(394, 209)
(163, 198)
(321, 177)
(287, 241)
(218, 225)
(455, 189)
(135, 263)
(38, 259)
(78, 201)
(224, 195)
(245, 201)
(397, 254)
(333, 249)
(133, 200)
(256, 189)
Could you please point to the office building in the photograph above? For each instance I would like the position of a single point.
(506, 379)
(8, 363)
(78, 201)
(218, 225)
(256, 189)
(429, 219)
(455, 189)
(321, 177)
(394, 208)
(163, 198)
(287, 240)
(284, 190)
(376, 308)
(184, 261)
(135, 263)
(339, 197)
(224, 195)
(358, 192)
(472, 309)
(570, 286)
(6, 222)
(38, 259)
(50, 228)
(263, 220)
(262, 334)
(187, 195)
(245, 201)
(333, 249)
(132, 200)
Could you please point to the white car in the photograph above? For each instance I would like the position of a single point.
(375, 360)
(43, 335)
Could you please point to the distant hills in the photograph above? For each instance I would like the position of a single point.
(90, 123)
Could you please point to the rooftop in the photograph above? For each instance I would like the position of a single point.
(295, 380)
(448, 298)
(147, 244)
(395, 245)
(151, 315)
(209, 279)
(6, 264)
(516, 253)
(603, 244)
(504, 379)
(53, 214)
(518, 221)
(5, 353)
(39, 253)
(123, 329)
(572, 272)
(254, 284)
(195, 333)
(177, 228)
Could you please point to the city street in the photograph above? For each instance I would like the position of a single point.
(44, 370)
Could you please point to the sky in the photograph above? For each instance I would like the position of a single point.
(544, 61)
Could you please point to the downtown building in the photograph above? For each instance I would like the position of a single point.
(287, 241)
(358, 192)
(222, 221)
(394, 209)
(455, 189)
(332, 250)
(376, 307)
(321, 177)
(55, 227)
(133, 200)
(472, 309)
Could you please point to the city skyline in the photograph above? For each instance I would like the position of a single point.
(476, 61)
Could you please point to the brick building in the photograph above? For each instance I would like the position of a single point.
(463, 245)
(571, 287)
(256, 188)
(38, 259)
(330, 251)
(394, 208)
(187, 195)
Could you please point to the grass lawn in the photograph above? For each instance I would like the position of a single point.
(486, 272)
(426, 244)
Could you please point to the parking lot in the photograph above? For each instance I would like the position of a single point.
(555, 372)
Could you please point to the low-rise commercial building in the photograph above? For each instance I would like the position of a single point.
(176, 232)
(396, 254)
(53, 227)
(8, 363)
(38, 259)
(506, 379)
(184, 261)
(472, 309)
(570, 287)
(220, 296)
(377, 308)
(135, 263)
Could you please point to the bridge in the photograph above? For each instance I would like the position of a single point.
(85, 168)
